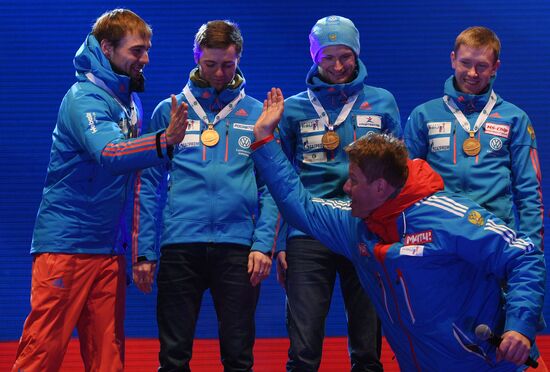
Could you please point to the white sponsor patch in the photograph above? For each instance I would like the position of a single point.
(193, 126)
(247, 127)
(439, 127)
(501, 130)
(311, 126)
(315, 157)
(495, 143)
(190, 140)
(412, 250)
(440, 144)
(369, 121)
(312, 143)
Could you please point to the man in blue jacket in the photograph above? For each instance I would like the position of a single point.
(483, 146)
(79, 270)
(219, 224)
(337, 107)
(431, 261)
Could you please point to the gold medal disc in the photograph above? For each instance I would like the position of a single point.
(471, 147)
(330, 140)
(210, 137)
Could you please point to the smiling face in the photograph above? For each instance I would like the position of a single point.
(474, 68)
(337, 64)
(218, 66)
(130, 56)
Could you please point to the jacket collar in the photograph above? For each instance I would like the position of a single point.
(422, 182)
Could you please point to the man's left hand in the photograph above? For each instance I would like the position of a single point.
(259, 267)
(514, 348)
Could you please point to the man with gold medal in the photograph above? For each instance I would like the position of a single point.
(337, 108)
(218, 225)
(483, 146)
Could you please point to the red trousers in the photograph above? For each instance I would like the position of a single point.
(75, 290)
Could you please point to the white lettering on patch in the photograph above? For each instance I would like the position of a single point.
(369, 121)
(439, 127)
(501, 130)
(419, 238)
(440, 144)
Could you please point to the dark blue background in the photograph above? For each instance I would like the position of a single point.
(405, 46)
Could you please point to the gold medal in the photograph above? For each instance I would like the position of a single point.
(330, 140)
(471, 146)
(210, 137)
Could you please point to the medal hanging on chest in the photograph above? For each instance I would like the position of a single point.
(330, 140)
(471, 146)
(210, 137)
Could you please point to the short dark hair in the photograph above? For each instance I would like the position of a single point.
(380, 156)
(218, 34)
(115, 24)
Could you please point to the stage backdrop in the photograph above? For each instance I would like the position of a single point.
(404, 44)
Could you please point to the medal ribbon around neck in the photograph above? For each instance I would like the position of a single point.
(132, 115)
(464, 123)
(211, 138)
(323, 115)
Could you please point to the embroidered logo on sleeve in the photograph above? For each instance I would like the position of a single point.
(475, 218)
(363, 250)
(501, 130)
(369, 121)
(412, 250)
(531, 131)
(440, 144)
(419, 238)
(91, 121)
(439, 127)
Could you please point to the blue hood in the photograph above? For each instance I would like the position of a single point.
(90, 58)
(334, 95)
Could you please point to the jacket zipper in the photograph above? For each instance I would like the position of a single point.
(406, 295)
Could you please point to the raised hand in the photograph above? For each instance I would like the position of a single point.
(178, 122)
(271, 114)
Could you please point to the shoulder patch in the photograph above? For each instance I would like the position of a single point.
(475, 218)
(531, 131)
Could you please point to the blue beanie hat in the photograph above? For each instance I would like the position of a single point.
(333, 30)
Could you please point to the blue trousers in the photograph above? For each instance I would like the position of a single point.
(185, 272)
(310, 279)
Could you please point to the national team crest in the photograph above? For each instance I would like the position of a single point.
(475, 218)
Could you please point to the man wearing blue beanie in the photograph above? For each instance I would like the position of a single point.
(336, 109)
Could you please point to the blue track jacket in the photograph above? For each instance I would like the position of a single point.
(505, 173)
(324, 172)
(213, 195)
(433, 270)
(91, 162)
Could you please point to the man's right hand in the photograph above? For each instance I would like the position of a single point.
(144, 275)
(178, 122)
(281, 268)
(271, 114)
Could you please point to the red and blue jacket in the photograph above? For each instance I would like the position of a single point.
(93, 156)
(432, 263)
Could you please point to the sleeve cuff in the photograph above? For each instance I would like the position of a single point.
(262, 142)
